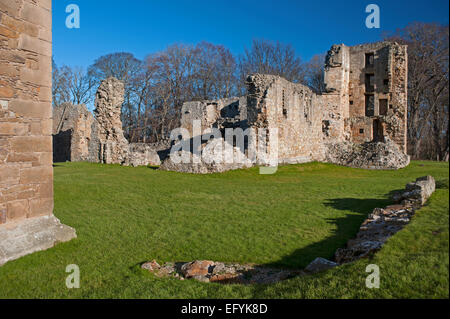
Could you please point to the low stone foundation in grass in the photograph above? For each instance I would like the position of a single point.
(225, 273)
(381, 224)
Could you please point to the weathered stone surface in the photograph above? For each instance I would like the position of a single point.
(31, 235)
(208, 162)
(108, 103)
(417, 192)
(370, 155)
(224, 273)
(151, 265)
(320, 264)
(197, 268)
(141, 154)
(75, 134)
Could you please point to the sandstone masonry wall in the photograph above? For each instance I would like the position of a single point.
(26, 173)
(27, 223)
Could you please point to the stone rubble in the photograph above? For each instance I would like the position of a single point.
(208, 162)
(320, 264)
(140, 154)
(370, 155)
(219, 272)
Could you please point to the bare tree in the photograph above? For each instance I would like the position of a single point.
(271, 58)
(60, 93)
(214, 72)
(314, 73)
(78, 84)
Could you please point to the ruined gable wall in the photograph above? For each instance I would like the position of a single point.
(26, 174)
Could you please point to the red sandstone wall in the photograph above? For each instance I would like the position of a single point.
(26, 173)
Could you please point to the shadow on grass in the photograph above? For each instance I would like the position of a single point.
(442, 184)
(345, 228)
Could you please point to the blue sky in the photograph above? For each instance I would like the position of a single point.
(146, 26)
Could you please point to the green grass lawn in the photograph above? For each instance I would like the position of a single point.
(125, 216)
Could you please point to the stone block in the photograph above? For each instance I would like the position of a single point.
(14, 157)
(35, 45)
(8, 70)
(17, 210)
(40, 174)
(45, 94)
(13, 129)
(9, 173)
(31, 109)
(46, 190)
(11, 7)
(31, 235)
(8, 33)
(38, 76)
(11, 56)
(22, 144)
(40, 207)
(37, 15)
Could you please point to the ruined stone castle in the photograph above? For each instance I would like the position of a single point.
(359, 121)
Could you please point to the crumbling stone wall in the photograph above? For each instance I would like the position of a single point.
(75, 134)
(378, 92)
(108, 102)
(26, 173)
(223, 113)
(79, 136)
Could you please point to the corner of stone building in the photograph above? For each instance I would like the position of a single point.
(27, 223)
